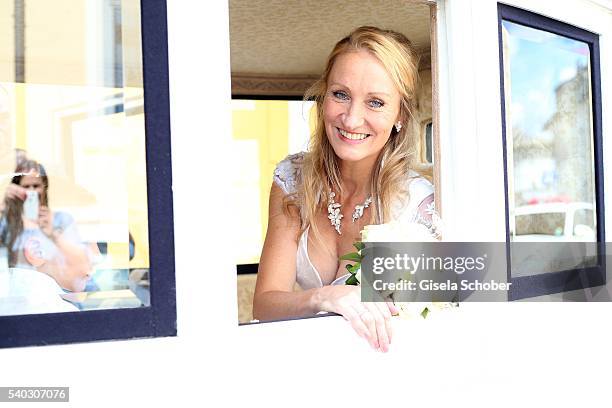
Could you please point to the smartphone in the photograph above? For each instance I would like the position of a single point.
(30, 206)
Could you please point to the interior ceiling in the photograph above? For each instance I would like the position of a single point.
(294, 37)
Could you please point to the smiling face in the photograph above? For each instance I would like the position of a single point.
(361, 106)
(34, 182)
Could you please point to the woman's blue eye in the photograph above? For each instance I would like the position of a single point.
(375, 103)
(340, 95)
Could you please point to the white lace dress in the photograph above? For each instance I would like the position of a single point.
(417, 209)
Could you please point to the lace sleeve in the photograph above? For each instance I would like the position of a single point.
(426, 214)
(420, 207)
(287, 172)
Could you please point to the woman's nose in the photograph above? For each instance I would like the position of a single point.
(354, 117)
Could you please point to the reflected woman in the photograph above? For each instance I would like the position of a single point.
(39, 238)
(358, 171)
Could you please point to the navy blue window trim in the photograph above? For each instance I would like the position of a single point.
(557, 282)
(159, 319)
(268, 97)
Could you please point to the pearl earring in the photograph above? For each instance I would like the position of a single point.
(398, 126)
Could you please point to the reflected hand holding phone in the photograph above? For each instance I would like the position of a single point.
(31, 205)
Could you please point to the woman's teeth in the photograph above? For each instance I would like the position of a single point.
(353, 136)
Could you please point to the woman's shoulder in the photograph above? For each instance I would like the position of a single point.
(62, 219)
(418, 186)
(287, 172)
(419, 193)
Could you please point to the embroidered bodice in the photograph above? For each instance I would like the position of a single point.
(418, 208)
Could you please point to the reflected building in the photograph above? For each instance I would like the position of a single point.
(572, 147)
(561, 153)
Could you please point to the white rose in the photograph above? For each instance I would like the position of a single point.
(397, 232)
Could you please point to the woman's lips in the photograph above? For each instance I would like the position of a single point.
(352, 138)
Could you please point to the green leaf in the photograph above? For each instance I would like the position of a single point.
(425, 312)
(353, 256)
(359, 245)
(352, 280)
(353, 268)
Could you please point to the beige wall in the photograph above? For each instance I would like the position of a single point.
(7, 41)
(95, 160)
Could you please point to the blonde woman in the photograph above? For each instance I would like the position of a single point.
(357, 172)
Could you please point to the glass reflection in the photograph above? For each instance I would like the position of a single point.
(549, 140)
(71, 100)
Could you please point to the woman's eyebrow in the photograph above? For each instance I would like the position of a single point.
(373, 93)
(380, 93)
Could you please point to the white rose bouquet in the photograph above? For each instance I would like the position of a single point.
(398, 232)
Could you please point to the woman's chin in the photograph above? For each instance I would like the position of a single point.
(352, 153)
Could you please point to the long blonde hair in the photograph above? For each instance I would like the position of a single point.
(320, 170)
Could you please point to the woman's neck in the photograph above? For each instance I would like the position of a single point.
(356, 177)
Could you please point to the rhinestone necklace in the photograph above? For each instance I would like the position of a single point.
(333, 209)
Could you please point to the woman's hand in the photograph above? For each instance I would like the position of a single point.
(371, 320)
(45, 221)
(14, 191)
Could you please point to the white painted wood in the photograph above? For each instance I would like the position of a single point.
(484, 355)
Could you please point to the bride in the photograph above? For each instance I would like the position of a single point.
(357, 172)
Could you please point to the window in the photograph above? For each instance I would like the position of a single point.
(552, 144)
(427, 154)
(270, 71)
(264, 132)
(72, 114)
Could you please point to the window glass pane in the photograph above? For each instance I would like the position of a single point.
(264, 133)
(71, 102)
(428, 143)
(549, 141)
